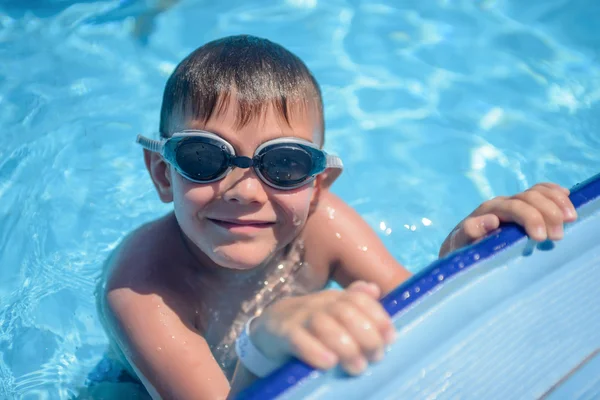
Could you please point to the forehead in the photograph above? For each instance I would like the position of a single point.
(303, 122)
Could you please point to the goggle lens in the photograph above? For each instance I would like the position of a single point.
(286, 165)
(201, 161)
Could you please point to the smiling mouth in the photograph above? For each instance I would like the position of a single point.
(238, 224)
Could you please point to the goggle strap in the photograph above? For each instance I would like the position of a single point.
(151, 144)
(334, 162)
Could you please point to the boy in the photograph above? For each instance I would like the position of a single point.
(256, 232)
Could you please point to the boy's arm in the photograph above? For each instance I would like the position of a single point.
(338, 236)
(541, 210)
(170, 357)
(356, 253)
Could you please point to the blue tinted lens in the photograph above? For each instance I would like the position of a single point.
(286, 165)
(200, 160)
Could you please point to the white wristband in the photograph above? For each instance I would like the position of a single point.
(252, 358)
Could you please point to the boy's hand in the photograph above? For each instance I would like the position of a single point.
(541, 210)
(326, 328)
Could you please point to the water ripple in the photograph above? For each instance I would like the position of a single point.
(434, 107)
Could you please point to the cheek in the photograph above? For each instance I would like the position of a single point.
(295, 205)
(190, 197)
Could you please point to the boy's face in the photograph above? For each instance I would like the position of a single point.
(239, 221)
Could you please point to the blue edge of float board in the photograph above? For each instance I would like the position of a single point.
(420, 285)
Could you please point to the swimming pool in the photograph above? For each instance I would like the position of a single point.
(434, 106)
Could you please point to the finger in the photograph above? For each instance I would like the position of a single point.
(370, 289)
(473, 229)
(337, 339)
(560, 198)
(304, 346)
(324, 297)
(520, 212)
(376, 312)
(487, 206)
(552, 214)
(361, 327)
(553, 186)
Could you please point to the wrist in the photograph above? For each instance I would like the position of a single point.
(250, 353)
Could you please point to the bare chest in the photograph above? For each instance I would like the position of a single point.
(223, 323)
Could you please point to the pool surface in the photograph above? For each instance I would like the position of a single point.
(434, 106)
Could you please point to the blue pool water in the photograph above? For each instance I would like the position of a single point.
(434, 106)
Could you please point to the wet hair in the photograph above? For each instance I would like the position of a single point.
(258, 72)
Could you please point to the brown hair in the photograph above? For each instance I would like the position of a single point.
(258, 71)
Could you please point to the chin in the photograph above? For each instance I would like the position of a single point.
(242, 259)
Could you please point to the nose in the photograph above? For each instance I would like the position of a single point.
(243, 186)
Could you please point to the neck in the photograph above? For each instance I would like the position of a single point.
(213, 277)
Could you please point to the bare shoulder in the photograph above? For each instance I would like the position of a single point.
(145, 257)
(324, 229)
(149, 314)
(331, 218)
(339, 237)
(136, 272)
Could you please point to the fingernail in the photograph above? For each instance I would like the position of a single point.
(390, 336)
(488, 223)
(570, 213)
(540, 233)
(378, 355)
(557, 232)
(358, 365)
(330, 358)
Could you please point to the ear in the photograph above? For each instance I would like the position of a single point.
(318, 187)
(328, 177)
(160, 172)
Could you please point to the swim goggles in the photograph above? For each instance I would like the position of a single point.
(203, 157)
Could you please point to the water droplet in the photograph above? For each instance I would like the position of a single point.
(337, 235)
(382, 226)
(331, 212)
(296, 220)
(405, 295)
(417, 289)
(282, 279)
(440, 277)
(159, 348)
(280, 266)
(476, 257)
(172, 337)
(363, 248)
(266, 283)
